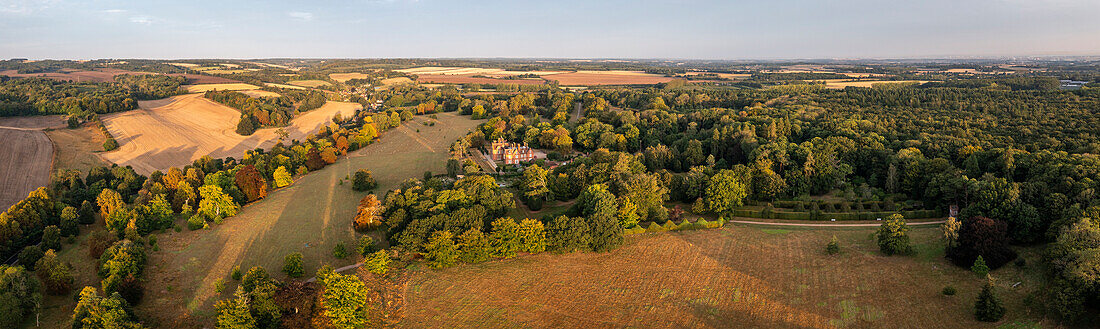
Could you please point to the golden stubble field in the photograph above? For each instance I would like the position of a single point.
(740, 276)
(175, 131)
(26, 156)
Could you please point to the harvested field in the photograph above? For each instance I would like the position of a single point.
(178, 130)
(99, 75)
(344, 77)
(220, 86)
(593, 78)
(309, 83)
(311, 216)
(34, 122)
(260, 93)
(472, 71)
(199, 79)
(841, 84)
(439, 78)
(279, 85)
(25, 159)
(749, 276)
(396, 81)
(77, 148)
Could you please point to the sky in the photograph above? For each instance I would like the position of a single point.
(685, 29)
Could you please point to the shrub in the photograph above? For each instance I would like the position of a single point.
(292, 265)
(339, 251)
(196, 222)
(110, 145)
(236, 273)
(365, 246)
(378, 262)
(979, 267)
(363, 181)
(949, 291)
(833, 247)
(654, 227)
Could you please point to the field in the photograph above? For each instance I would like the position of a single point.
(279, 85)
(469, 78)
(310, 217)
(199, 79)
(25, 159)
(344, 77)
(435, 70)
(593, 78)
(220, 86)
(77, 148)
(100, 75)
(839, 84)
(178, 130)
(396, 81)
(309, 83)
(738, 276)
(260, 93)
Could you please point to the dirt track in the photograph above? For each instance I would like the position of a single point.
(178, 130)
(25, 158)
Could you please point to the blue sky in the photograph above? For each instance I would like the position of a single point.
(692, 29)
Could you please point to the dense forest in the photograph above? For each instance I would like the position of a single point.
(37, 96)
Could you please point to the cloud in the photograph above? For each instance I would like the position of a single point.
(113, 11)
(301, 16)
(142, 19)
(25, 7)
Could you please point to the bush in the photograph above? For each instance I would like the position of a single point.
(378, 262)
(363, 181)
(654, 227)
(110, 145)
(979, 267)
(339, 251)
(833, 247)
(236, 273)
(365, 246)
(292, 265)
(949, 291)
(196, 222)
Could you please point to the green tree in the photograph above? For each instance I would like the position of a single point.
(292, 265)
(363, 180)
(505, 237)
(725, 192)
(95, 312)
(440, 250)
(54, 274)
(473, 247)
(70, 221)
(51, 238)
(344, 299)
(339, 251)
(979, 267)
(534, 186)
(282, 177)
(364, 246)
(988, 307)
(565, 234)
(600, 211)
(215, 203)
(20, 295)
(235, 313)
(377, 262)
(627, 214)
(532, 236)
(893, 237)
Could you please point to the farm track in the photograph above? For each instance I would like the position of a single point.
(861, 224)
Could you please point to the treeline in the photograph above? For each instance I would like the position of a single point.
(36, 96)
(267, 111)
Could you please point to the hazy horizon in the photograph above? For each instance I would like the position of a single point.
(436, 29)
